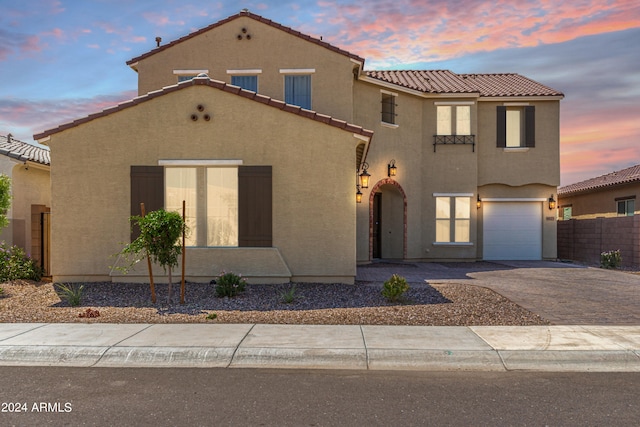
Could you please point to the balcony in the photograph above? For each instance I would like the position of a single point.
(455, 140)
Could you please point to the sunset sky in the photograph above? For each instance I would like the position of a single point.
(62, 60)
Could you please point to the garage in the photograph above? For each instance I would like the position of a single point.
(512, 230)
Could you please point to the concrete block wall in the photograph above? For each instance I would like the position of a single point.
(585, 239)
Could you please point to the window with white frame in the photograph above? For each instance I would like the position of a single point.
(626, 207)
(211, 196)
(453, 120)
(388, 105)
(453, 219)
(297, 90)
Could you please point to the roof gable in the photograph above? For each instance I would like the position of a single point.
(624, 176)
(206, 81)
(246, 13)
(23, 151)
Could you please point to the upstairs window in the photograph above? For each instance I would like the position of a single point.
(516, 126)
(626, 207)
(246, 82)
(388, 104)
(453, 120)
(297, 90)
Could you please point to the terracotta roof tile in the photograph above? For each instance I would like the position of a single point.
(257, 18)
(624, 176)
(444, 81)
(23, 151)
(507, 84)
(428, 81)
(205, 81)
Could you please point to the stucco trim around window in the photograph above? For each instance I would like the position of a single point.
(225, 162)
(297, 70)
(239, 72)
(190, 72)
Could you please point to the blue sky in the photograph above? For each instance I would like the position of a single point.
(61, 60)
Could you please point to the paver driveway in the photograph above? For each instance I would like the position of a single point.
(564, 294)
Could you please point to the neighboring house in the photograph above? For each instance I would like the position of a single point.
(28, 167)
(600, 215)
(265, 132)
(610, 195)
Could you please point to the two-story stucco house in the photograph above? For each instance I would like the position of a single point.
(268, 135)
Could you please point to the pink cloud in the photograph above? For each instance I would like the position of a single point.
(25, 118)
(445, 29)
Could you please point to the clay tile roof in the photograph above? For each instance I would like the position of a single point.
(205, 81)
(23, 151)
(258, 18)
(508, 84)
(444, 81)
(623, 176)
(428, 81)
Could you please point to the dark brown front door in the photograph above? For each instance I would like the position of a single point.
(377, 225)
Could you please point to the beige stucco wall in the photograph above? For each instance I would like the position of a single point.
(30, 185)
(516, 167)
(313, 198)
(600, 203)
(268, 50)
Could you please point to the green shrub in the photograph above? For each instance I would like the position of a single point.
(610, 259)
(229, 285)
(288, 295)
(394, 288)
(16, 264)
(72, 294)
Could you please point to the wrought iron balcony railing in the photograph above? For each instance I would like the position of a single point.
(454, 139)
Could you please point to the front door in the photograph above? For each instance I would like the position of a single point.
(377, 225)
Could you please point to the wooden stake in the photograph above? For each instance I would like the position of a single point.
(184, 255)
(153, 288)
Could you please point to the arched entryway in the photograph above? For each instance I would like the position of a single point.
(387, 221)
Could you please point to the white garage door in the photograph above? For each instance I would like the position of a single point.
(512, 230)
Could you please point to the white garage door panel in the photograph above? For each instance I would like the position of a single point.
(512, 230)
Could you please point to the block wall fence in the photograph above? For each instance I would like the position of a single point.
(585, 239)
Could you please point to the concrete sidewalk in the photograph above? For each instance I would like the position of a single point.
(475, 348)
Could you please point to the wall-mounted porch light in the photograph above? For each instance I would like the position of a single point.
(358, 194)
(478, 202)
(552, 203)
(364, 176)
(391, 168)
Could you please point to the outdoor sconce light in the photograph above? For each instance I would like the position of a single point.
(391, 168)
(358, 195)
(478, 202)
(364, 176)
(552, 203)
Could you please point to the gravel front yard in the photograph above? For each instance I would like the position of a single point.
(445, 304)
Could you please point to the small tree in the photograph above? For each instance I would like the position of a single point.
(5, 199)
(159, 237)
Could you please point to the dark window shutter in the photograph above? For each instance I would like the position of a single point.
(147, 186)
(254, 206)
(501, 130)
(530, 126)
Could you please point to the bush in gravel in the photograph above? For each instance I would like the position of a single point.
(288, 295)
(610, 259)
(394, 288)
(72, 294)
(229, 285)
(16, 264)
